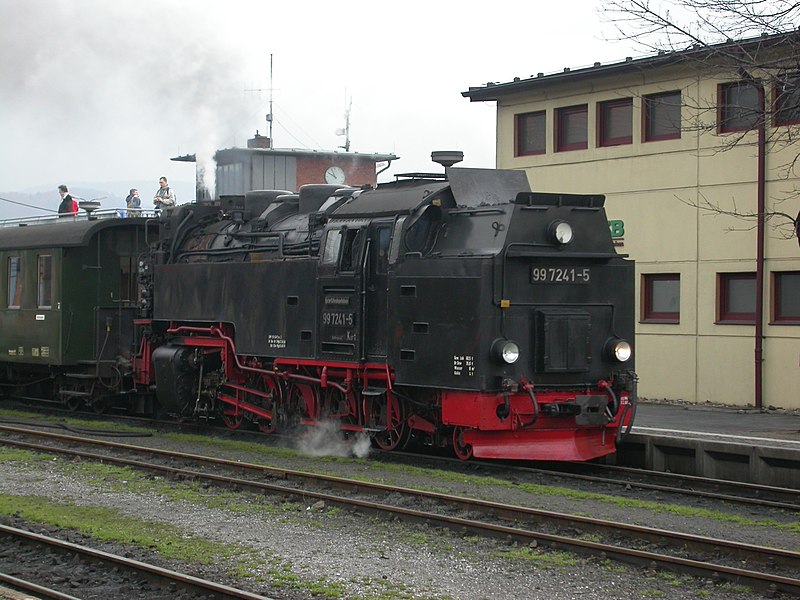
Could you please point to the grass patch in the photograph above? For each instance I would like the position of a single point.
(112, 526)
(383, 589)
(534, 555)
(20, 455)
(69, 422)
(234, 445)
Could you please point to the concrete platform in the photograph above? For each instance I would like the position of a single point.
(723, 443)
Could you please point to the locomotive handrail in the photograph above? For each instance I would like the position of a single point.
(476, 211)
(559, 252)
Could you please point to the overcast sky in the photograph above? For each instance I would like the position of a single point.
(95, 90)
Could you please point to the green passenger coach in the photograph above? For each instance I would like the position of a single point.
(68, 298)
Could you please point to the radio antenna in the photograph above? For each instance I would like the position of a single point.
(346, 131)
(270, 90)
(269, 115)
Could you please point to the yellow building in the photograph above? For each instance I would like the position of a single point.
(673, 142)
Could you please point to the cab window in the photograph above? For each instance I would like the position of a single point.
(383, 237)
(350, 250)
(333, 241)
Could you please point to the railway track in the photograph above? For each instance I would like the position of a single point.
(125, 574)
(669, 483)
(768, 569)
(609, 475)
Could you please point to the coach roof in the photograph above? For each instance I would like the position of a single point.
(59, 234)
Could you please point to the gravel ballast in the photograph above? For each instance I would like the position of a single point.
(296, 550)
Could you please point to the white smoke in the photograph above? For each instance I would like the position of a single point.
(327, 439)
(107, 87)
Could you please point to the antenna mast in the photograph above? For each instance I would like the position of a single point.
(269, 115)
(346, 131)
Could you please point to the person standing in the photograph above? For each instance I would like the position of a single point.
(164, 197)
(133, 202)
(68, 206)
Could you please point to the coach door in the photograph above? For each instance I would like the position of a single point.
(340, 288)
(376, 283)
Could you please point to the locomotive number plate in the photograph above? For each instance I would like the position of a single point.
(338, 319)
(573, 275)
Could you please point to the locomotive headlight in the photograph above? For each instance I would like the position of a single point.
(505, 351)
(560, 232)
(619, 349)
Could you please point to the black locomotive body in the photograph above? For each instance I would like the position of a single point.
(462, 310)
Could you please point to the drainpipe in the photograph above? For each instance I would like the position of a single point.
(759, 334)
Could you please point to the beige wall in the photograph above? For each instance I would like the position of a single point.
(658, 189)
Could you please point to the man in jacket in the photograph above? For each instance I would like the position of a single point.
(164, 197)
(68, 206)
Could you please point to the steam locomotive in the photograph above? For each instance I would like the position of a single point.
(459, 310)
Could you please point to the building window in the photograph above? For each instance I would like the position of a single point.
(615, 122)
(662, 116)
(661, 298)
(530, 133)
(739, 106)
(786, 297)
(14, 282)
(572, 132)
(736, 298)
(45, 288)
(787, 101)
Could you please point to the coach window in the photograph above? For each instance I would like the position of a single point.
(45, 288)
(14, 281)
(571, 128)
(530, 133)
(661, 298)
(615, 122)
(662, 116)
(786, 298)
(787, 100)
(736, 298)
(738, 106)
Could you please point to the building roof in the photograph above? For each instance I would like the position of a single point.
(727, 49)
(305, 152)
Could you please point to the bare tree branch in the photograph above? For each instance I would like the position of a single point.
(756, 41)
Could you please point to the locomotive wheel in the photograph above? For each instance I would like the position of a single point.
(232, 417)
(460, 447)
(269, 385)
(336, 406)
(100, 406)
(396, 436)
(301, 403)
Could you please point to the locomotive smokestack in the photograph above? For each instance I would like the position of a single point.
(447, 158)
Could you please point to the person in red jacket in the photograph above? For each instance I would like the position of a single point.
(68, 206)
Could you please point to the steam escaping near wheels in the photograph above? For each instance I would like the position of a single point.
(328, 439)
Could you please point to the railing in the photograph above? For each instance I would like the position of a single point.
(104, 213)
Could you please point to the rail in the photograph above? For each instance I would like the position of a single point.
(104, 213)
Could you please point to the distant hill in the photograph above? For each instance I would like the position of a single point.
(44, 200)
